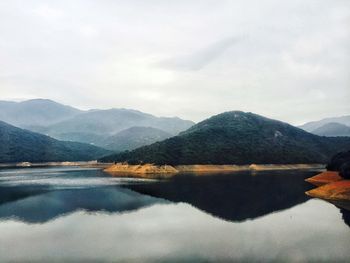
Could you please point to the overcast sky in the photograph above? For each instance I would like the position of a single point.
(287, 60)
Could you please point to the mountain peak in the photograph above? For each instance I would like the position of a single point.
(39, 112)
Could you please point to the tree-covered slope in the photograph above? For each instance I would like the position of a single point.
(238, 138)
(18, 145)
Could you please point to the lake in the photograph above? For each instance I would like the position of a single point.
(72, 214)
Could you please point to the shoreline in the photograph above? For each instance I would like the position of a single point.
(146, 170)
(331, 187)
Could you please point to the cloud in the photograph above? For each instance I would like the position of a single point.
(48, 12)
(200, 58)
(191, 58)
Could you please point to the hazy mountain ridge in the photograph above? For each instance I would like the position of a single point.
(238, 138)
(133, 138)
(19, 145)
(313, 125)
(115, 120)
(332, 129)
(39, 112)
(92, 126)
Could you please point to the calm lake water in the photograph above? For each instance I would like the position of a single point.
(75, 214)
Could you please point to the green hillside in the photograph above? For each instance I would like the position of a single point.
(18, 145)
(238, 138)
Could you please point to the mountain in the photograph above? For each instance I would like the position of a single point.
(311, 126)
(134, 137)
(38, 112)
(96, 126)
(70, 124)
(18, 145)
(115, 120)
(238, 138)
(332, 129)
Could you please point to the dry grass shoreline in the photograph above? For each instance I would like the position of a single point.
(331, 187)
(146, 170)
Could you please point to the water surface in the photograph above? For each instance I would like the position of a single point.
(74, 214)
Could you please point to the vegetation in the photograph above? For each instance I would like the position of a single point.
(237, 138)
(18, 145)
(340, 163)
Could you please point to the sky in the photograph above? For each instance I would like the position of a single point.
(287, 60)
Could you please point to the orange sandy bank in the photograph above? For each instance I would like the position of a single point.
(324, 178)
(145, 170)
(337, 191)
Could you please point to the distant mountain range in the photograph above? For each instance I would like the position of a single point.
(37, 112)
(94, 126)
(336, 126)
(134, 137)
(332, 129)
(19, 145)
(231, 137)
(238, 138)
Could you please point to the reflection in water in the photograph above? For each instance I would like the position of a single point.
(10, 194)
(346, 216)
(233, 197)
(47, 206)
(151, 229)
(41, 194)
(310, 232)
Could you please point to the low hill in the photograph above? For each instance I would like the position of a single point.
(238, 138)
(313, 125)
(332, 129)
(18, 145)
(134, 137)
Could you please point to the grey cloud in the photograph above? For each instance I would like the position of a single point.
(201, 58)
(191, 58)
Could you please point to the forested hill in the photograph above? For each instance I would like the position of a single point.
(238, 138)
(19, 145)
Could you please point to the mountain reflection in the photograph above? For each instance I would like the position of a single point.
(346, 216)
(233, 197)
(40, 208)
(10, 194)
